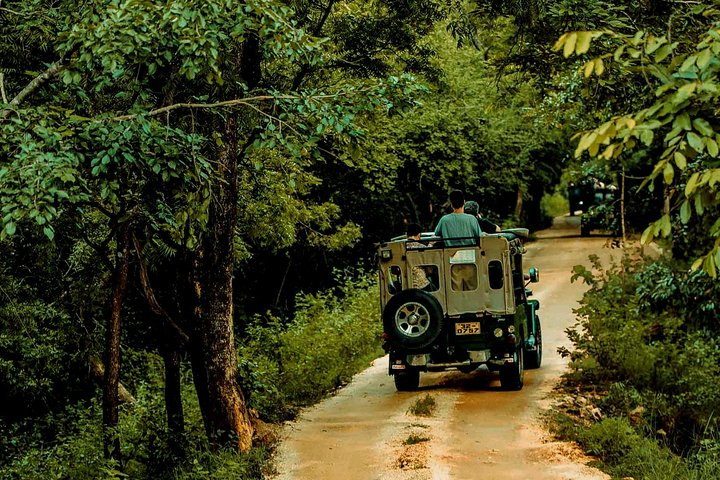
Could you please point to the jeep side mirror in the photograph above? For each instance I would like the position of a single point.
(534, 275)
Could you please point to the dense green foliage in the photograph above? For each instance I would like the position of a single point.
(333, 335)
(648, 342)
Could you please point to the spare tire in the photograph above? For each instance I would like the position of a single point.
(413, 319)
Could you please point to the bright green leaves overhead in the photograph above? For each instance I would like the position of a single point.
(579, 43)
(683, 115)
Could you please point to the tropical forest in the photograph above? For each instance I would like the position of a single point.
(192, 194)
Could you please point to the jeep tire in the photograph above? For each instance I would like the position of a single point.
(512, 374)
(413, 319)
(408, 381)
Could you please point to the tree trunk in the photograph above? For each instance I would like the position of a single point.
(111, 440)
(226, 416)
(189, 305)
(519, 203)
(173, 399)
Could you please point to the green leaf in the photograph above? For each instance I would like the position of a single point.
(696, 264)
(703, 126)
(662, 53)
(683, 93)
(583, 42)
(691, 184)
(685, 212)
(599, 67)
(663, 225)
(709, 266)
(682, 121)
(688, 63)
(49, 233)
(648, 234)
(699, 205)
(569, 46)
(585, 142)
(668, 173)
(703, 59)
(10, 228)
(712, 147)
(695, 141)
(680, 160)
(646, 137)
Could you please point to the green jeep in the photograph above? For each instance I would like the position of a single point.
(458, 308)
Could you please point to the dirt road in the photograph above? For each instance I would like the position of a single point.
(477, 431)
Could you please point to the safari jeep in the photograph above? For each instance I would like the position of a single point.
(473, 311)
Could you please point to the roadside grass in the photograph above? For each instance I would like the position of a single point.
(423, 406)
(623, 452)
(285, 365)
(418, 425)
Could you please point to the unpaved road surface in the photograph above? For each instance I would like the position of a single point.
(477, 430)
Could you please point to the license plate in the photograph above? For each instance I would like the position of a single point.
(467, 328)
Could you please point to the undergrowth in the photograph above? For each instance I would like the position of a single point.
(283, 365)
(646, 352)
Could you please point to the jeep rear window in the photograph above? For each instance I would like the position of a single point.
(394, 279)
(463, 277)
(495, 274)
(426, 277)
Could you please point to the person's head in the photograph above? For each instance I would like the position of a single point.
(472, 208)
(457, 199)
(414, 230)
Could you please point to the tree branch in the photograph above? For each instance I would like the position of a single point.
(35, 84)
(97, 368)
(150, 296)
(305, 69)
(3, 9)
(225, 103)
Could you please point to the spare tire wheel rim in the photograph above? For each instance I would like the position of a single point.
(412, 319)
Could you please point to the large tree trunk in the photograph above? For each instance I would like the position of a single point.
(225, 415)
(111, 440)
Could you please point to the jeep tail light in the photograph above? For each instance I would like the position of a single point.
(511, 339)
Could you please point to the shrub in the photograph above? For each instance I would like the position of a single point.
(332, 337)
(554, 205)
(638, 336)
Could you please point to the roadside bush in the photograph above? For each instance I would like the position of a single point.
(332, 336)
(554, 205)
(628, 454)
(282, 366)
(646, 335)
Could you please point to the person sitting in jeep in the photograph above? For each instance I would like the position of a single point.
(419, 274)
(458, 228)
(473, 208)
